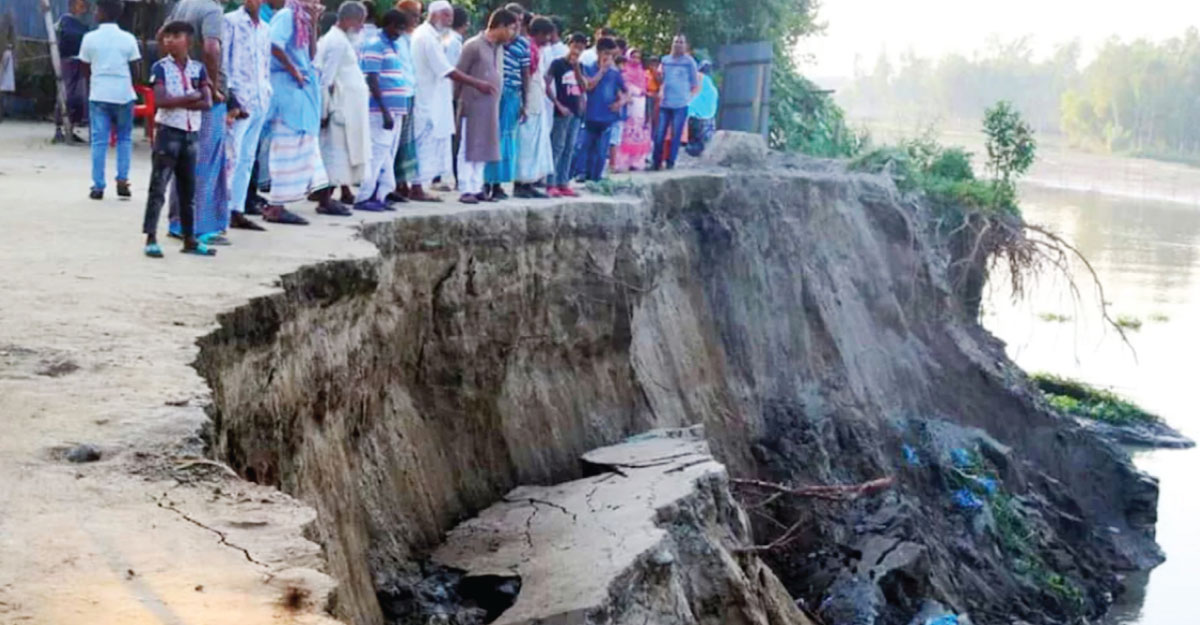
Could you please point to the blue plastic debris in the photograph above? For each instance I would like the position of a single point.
(987, 484)
(966, 500)
(949, 619)
(910, 455)
(961, 458)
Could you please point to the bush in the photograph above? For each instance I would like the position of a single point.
(944, 175)
(952, 164)
(1078, 399)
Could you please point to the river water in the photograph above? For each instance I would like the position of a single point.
(1143, 239)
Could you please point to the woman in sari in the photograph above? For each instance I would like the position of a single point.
(702, 112)
(636, 139)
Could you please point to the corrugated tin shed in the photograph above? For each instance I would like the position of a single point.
(26, 16)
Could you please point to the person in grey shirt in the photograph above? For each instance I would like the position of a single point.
(207, 19)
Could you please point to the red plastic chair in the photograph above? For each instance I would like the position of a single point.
(144, 110)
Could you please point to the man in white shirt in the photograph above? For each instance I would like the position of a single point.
(246, 46)
(109, 55)
(345, 131)
(433, 108)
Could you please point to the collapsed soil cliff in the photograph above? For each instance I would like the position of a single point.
(797, 311)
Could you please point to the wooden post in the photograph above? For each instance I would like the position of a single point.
(48, 15)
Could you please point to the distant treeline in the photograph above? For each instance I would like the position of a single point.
(1137, 97)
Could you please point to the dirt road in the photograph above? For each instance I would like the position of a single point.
(95, 342)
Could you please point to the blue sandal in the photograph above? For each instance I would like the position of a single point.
(199, 250)
(214, 238)
(153, 250)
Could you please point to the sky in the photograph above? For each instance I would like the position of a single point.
(934, 27)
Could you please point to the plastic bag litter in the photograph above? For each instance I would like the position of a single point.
(961, 458)
(949, 619)
(910, 455)
(966, 500)
(987, 484)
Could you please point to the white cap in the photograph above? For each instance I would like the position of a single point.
(440, 5)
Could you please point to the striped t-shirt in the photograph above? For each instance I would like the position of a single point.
(392, 62)
(517, 56)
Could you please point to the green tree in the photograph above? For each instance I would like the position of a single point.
(1011, 149)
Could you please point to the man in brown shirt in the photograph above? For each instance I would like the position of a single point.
(482, 58)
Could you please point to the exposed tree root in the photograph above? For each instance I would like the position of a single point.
(835, 493)
(983, 241)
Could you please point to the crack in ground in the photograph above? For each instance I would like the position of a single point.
(592, 508)
(887, 552)
(687, 465)
(529, 532)
(656, 462)
(535, 502)
(588, 498)
(224, 540)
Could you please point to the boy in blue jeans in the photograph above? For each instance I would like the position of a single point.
(181, 91)
(606, 94)
(108, 57)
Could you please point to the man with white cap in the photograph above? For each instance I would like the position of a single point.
(433, 110)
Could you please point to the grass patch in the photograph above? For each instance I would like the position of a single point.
(1129, 322)
(1078, 399)
(610, 187)
(1050, 317)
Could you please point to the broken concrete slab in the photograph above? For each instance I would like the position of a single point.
(657, 541)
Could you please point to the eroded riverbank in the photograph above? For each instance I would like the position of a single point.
(797, 313)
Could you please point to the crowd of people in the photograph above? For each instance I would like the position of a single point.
(281, 98)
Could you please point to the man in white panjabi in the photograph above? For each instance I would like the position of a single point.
(433, 109)
(345, 133)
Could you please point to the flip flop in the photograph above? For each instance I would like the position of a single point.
(334, 210)
(285, 216)
(467, 198)
(370, 206)
(200, 250)
(215, 239)
(153, 251)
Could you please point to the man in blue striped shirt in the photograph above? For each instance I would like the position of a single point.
(386, 62)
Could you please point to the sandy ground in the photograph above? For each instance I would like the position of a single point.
(95, 342)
